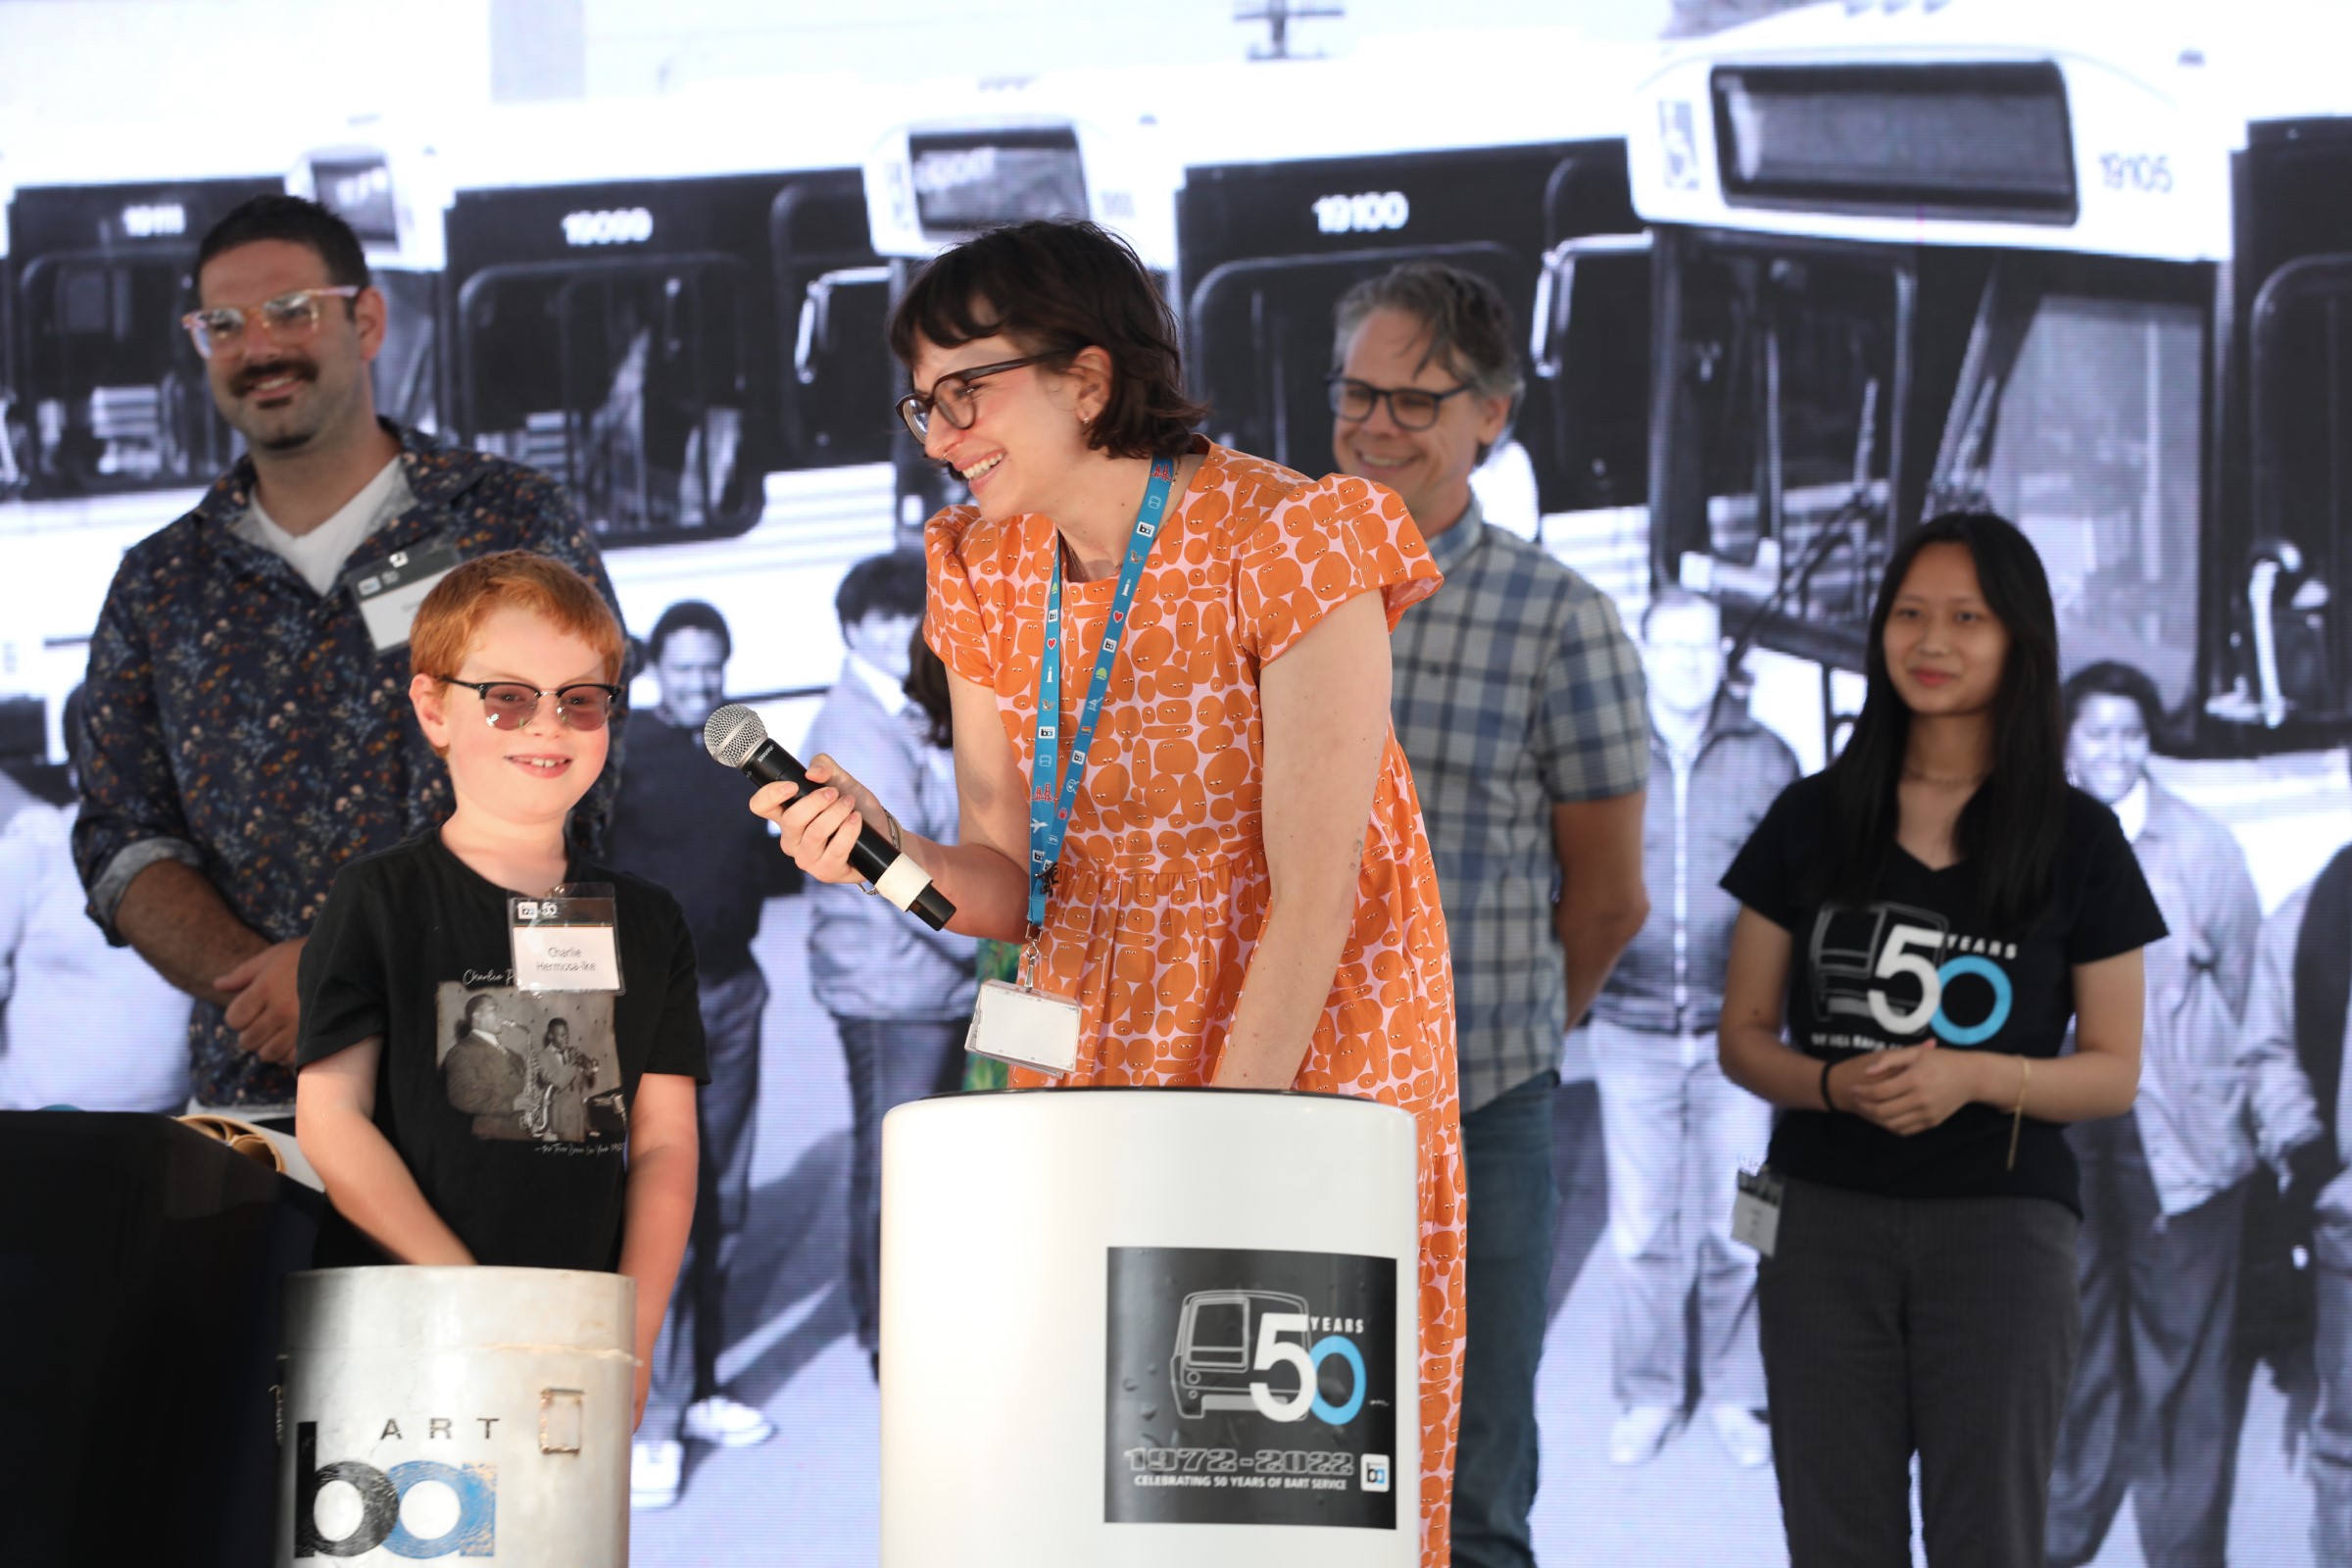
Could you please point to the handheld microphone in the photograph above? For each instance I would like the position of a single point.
(735, 736)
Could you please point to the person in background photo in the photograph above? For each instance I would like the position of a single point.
(82, 1023)
(2293, 1052)
(1677, 1131)
(244, 735)
(2157, 1400)
(901, 993)
(1518, 700)
(678, 821)
(927, 686)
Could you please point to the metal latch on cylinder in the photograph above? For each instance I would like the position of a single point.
(560, 1420)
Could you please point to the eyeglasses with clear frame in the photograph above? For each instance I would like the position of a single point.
(1409, 405)
(290, 320)
(582, 706)
(951, 394)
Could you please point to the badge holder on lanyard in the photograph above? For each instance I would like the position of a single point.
(1019, 1023)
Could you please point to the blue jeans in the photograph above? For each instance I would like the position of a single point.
(1506, 1146)
(891, 1062)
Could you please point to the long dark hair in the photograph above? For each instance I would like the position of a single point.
(2011, 827)
(926, 684)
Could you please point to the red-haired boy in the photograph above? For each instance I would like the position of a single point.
(455, 1116)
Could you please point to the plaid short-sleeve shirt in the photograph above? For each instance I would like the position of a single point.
(1516, 690)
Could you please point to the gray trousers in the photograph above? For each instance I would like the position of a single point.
(1678, 1134)
(1944, 1327)
(2156, 1406)
(2331, 1422)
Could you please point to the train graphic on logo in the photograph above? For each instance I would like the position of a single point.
(1229, 1342)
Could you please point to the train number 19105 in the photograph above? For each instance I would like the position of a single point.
(2149, 173)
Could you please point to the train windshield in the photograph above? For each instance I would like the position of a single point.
(115, 394)
(1782, 421)
(2092, 448)
(2290, 641)
(1822, 401)
(625, 379)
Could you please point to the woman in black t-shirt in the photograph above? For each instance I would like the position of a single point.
(1921, 923)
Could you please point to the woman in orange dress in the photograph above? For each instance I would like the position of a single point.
(1244, 898)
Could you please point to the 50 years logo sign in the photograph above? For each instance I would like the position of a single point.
(1250, 1387)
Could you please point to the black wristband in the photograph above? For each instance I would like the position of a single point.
(1827, 1103)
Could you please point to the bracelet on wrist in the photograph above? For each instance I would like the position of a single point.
(1827, 1103)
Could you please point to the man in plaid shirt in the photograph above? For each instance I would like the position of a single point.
(1519, 702)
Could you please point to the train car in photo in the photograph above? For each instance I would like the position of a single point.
(1077, 145)
(2086, 266)
(1275, 225)
(111, 398)
(673, 308)
(389, 191)
(1259, 192)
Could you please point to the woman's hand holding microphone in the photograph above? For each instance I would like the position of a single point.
(818, 827)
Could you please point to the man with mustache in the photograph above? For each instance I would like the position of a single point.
(246, 725)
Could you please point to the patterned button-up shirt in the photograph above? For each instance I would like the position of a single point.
(243, 725)
(1516, 690)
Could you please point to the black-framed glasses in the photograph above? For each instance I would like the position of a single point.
(584, 705)
(290, 319)
(951, 394)
(1409, 405)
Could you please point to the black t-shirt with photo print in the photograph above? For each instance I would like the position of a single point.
(510, 1107)
(1918, 965)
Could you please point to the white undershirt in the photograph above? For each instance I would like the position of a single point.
(318, 555)
(879, 683)
(2132, 810)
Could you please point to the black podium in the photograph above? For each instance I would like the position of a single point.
(139, 1271)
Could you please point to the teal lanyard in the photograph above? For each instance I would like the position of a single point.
(1049, 819)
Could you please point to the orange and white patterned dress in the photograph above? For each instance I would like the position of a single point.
(1163, 886)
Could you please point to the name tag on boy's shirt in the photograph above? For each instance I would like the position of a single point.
(568, 941)
(389, 595)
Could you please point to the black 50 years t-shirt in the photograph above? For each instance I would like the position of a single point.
(1918, 964)
(510, 1107)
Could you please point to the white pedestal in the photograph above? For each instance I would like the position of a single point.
(1080, 1288)
(458, 1413)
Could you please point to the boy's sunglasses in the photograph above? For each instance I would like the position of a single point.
(510, 705)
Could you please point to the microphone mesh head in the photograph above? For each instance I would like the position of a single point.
(732, 733)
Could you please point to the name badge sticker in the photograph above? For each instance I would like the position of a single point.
(389, 594)
(1756, 1211)
(567, 942)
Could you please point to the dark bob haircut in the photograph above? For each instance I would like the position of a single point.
(888, 585)
(689, 615)
(296, 222)
(2112, 678)
(1062, 284)
(2010, 829)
